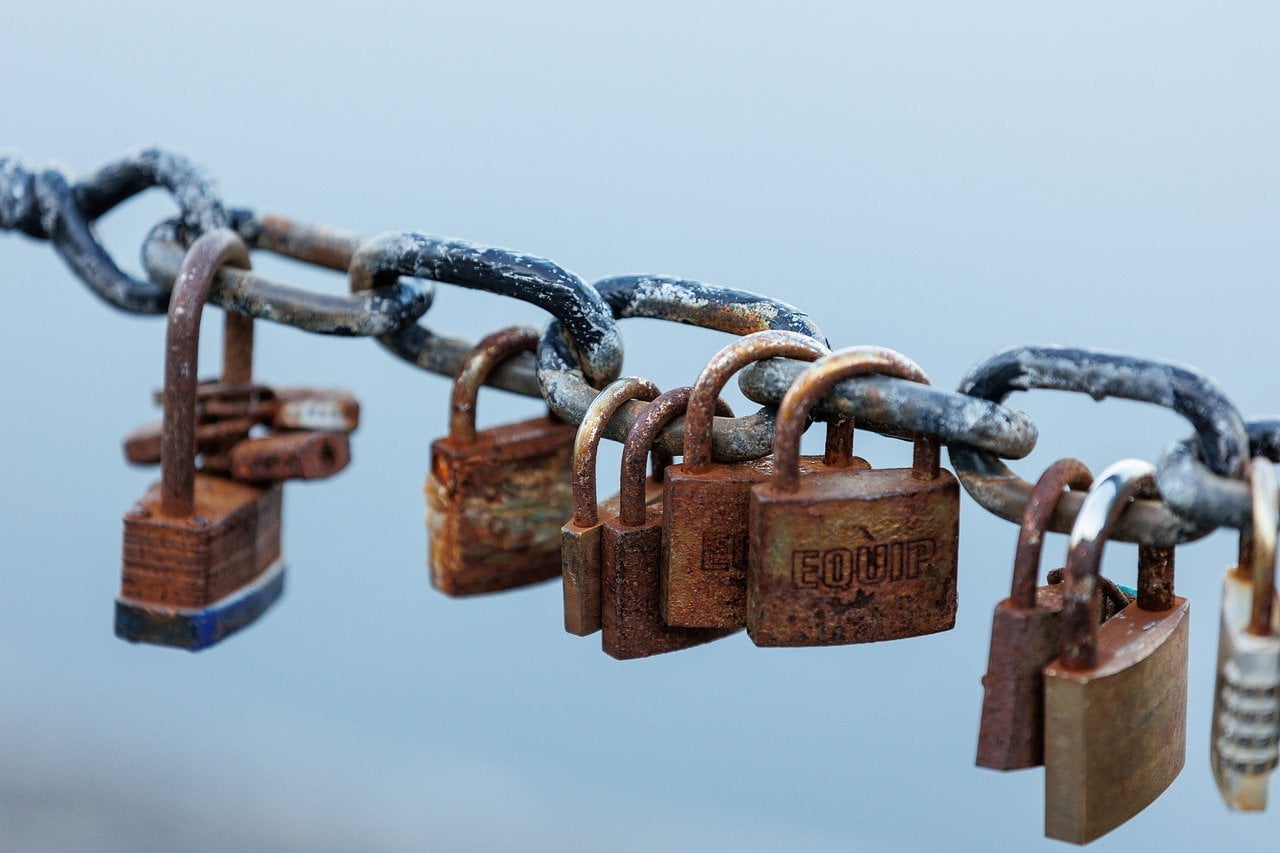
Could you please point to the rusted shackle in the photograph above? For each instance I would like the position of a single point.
(815, 383)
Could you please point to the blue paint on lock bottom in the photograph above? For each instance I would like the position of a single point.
(196, 629)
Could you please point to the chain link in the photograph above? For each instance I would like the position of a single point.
(392, 280)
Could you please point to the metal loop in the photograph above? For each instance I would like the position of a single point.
(1045, 494)
(1197, 493)
(380, 311)
(900, 409)
(1100, 374)
(526, 277)
(568, 391)
(47, 205)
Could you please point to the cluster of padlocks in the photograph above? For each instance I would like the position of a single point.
(1084, 677)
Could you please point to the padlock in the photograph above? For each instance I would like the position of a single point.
(497, 497)
(142, 446)
(631, 545)
(854, 556)
(1115, 729)
(580, 536)
(1025, 634)
(201, 552)
(1246, 698)
(290, 455)
(323, 409)
(705, 505)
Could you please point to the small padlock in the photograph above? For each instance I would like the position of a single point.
(142, 446)
(497, 497)
(705, 553)
(201, 552)
(853, 556)
(1025, 634)
(631, 616)
(290, 455)
(1115, 730)
(1246, 699)
(580, 536)
(324, 409)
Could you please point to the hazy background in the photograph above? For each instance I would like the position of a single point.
(943, 180)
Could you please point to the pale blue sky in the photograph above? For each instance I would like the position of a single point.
(947, 180)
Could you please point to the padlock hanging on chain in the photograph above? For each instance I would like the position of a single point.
(1245, 739)
(853, 556)
(1115, 730)
(201, 551)
(706, 504)
(1026, 632)
(496, 497)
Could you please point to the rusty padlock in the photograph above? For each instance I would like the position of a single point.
(290, 455)
(1115, 729)
(854, 556)
(1026, 632)
(201, 552)
(1246, 699)
(631, 616)
(497, 497)
(706, 505)
(580, 536)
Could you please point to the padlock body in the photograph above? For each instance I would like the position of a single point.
(706, 539)
(1023, 642)
(291, 455)
(1116, 734)
(1245, 741)
(580, 562)
(631, 618)
(853, 557)
(322, 409)
(190, 581)
(495, 506)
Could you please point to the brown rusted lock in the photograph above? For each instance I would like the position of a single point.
(201, 552)
(291, 455)
(631, 617)
(497, 497)
(705, 505)
(852, 556)
(142, 446)
(1115, 729)
(1025, 635)
(324, 409)
(580, 536)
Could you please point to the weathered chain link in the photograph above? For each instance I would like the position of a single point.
(392, 278)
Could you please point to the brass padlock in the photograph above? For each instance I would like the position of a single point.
(630, 616)
(706, 505)
(1025, 634)
(854, 556)
(1246, 698)
(497, 497)
(1115, 728)
(201, 552)
(580, 536)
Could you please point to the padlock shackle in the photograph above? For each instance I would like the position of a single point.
(209, 253)
(748, 349)
(816, 382)
(656, 415)
(1266, 518)
(1048, 490)
(489, 352)
(586, 444)
(1106, 499)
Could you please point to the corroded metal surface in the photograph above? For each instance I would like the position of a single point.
(1026, 631)
(574, 303)
(856, 556)
(496, 498)
(290, 455)
(1100, 374)
(1196, 492)
(1116, 698)
(631, 618)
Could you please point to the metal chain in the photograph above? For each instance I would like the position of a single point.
(392, 279)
